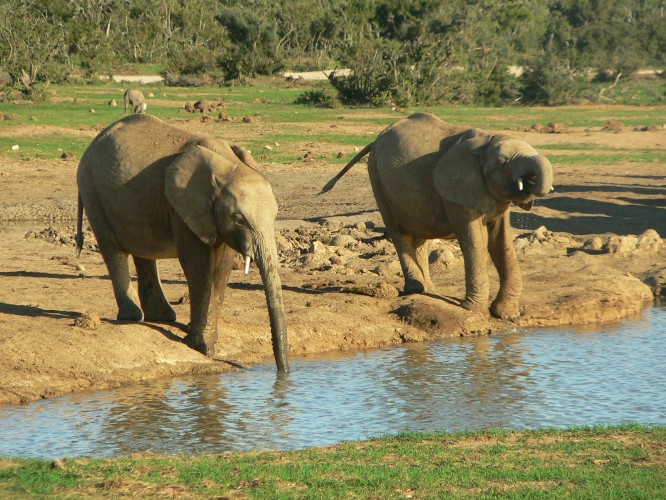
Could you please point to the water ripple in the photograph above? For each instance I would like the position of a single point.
(516, 380)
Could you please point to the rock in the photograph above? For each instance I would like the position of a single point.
(621, 244)
(113, 102)
(66, 155)
(541, 234)
(650, 241)
(343, 240)
(595, 244)
(443, 257)
(558, 128)
(613, 126)
(15, 147)
(248, 119)
(88, 321)
(317, 247)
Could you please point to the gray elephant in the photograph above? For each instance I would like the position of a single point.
(434, 180)
(135, 101)
(153, 191)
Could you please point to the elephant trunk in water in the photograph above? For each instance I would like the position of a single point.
(266, 260)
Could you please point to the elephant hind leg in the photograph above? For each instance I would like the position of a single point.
(126, 297)
(412, 252)
(154, 303)
(413, 255)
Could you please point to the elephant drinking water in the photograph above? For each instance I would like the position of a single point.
(153, 191)
(434, 180)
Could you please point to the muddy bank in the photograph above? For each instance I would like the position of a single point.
(587, 255)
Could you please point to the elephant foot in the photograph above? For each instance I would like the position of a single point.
(166, 315)
(413, 286)
(129, 311)
(475, 306)
(505, 309)
(196, 343)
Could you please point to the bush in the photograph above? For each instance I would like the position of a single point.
(320, 98)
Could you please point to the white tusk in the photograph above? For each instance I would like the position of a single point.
(552, 188)
(247, 264)
(520, 183)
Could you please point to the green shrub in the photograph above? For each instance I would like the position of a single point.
(320, 98)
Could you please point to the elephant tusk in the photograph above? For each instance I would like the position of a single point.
(552, 188)
(519, 182)
(247, 264)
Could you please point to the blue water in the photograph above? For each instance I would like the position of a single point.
(606, 374)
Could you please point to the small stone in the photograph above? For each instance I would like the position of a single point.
(88, 321)
(622, 244)
(541, 234)
(595, 244)
(650, 241)
(317, 247)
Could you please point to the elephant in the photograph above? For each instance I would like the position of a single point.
(433, 180)
(135, 101)
(154, 191)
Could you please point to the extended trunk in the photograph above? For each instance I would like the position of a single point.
(266, 259)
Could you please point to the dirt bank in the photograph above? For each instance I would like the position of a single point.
(586, 256)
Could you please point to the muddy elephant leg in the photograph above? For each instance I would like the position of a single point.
(126, 297)
(410, 250)
(413, 255)
(500, 246)
(207, 270)
(153, 302)
(473, 238)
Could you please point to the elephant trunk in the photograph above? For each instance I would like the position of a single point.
(538, 175)
(266, 259)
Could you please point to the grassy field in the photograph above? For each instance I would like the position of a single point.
(601, 462)
(60, 121)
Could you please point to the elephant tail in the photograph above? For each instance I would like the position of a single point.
(329, 185)
(79, 227)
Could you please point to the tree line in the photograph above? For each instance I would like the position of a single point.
(400, 51)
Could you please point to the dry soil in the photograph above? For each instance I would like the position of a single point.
(591, 252)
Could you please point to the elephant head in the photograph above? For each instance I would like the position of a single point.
(225, 202)
(481, 170)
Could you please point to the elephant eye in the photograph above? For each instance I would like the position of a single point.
(238, 219)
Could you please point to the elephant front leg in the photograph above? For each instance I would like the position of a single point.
(473, 239)
(154, 303)
(207, 271)
(500, 245)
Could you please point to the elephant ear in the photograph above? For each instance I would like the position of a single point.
(458, 176)
(191, 181)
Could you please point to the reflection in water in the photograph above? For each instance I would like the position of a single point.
(519, 379)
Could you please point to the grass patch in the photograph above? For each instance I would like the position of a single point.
(271, 101)
(600, 462)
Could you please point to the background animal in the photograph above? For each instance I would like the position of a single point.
(135, 101)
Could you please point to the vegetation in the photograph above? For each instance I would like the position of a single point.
(67, 123)
(616, 462)
(401, 52)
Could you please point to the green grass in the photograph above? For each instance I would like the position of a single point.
(271, 101)
(601, 462)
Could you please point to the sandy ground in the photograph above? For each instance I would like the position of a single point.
(587, 255)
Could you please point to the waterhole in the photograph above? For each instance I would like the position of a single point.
(519, 379)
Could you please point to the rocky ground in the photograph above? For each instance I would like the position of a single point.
(591, 252)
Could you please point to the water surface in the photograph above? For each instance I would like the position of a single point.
(521, 379)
